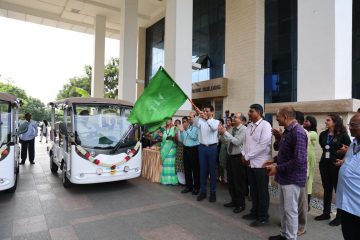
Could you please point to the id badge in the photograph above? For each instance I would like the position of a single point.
(327, 155)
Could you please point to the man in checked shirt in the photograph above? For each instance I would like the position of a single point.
(289, 171)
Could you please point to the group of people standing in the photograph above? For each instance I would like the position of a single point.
(249, 160)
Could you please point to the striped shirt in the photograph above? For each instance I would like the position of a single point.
(208, 133)
(190, 136)
(257, 145)
(292, 157)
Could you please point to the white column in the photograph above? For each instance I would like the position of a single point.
(128, 50)
(141, 62)
(178, 44)
(324, 49)
(97, 82)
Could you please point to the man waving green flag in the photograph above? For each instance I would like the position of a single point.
(159, 101)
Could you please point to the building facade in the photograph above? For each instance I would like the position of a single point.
(268, 51)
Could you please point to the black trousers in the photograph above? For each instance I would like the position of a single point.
(191, 167)
(259, 191)
(329, 177)
(236, 176)
(27, 146)
(350, 226)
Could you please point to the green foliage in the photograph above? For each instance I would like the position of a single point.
(16, 91)
(37, 109)
(30, 104)
(111, 78)
(77, 86)
(81, 86)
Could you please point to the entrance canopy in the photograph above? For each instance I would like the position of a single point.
(79, 15)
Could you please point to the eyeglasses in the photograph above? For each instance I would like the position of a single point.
(354, 125)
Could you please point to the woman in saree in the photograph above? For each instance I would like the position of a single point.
(168, 155)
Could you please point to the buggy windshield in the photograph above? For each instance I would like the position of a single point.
(103, 126)
(5, 124)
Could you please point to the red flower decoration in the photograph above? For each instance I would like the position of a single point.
(127, 158)
(113, 167)
(5, 152)
(97, 162)
(133, 151)
(87, 155)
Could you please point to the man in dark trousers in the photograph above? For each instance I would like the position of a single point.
(208, 138)
(189, 136)
(27, 140)
(236, 172)
(256, 152)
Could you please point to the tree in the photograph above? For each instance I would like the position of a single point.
(77, 86)
(37, 109)
(81, 86)
(16, 91)
(111, 78)
(29, 104)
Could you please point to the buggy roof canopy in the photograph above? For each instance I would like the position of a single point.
(9, 98)
(75, 100)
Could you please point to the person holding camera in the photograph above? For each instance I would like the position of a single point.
(168, 154)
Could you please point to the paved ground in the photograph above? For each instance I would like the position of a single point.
(136, 209)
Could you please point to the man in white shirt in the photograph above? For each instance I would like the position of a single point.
(208, 138)
(256, 152)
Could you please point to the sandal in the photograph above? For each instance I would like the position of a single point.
(301, 232)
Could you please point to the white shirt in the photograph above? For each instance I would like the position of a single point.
(208, 133)
(257, 145)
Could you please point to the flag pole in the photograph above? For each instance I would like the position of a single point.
(192, 103)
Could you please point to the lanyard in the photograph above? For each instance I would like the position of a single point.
(329, 139)
(251, 130)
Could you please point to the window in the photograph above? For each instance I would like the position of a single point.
(208, 38)
(103, 126)
(280, 80)
(5, 122)
(356, 50)
(154, 49)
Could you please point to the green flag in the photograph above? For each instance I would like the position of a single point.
(159, 101)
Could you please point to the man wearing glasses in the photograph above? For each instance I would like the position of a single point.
(208, 138)
(348, 188)
(236, 171)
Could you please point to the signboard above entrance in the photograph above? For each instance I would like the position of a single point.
(209, 89)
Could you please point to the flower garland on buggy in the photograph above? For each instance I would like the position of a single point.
(112, 166)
